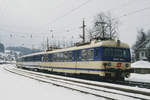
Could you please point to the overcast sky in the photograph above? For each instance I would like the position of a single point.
(19, 19)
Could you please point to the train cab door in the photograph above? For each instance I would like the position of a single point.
(76, 56)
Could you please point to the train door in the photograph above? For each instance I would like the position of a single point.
(76, 57)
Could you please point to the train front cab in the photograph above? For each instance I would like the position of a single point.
(116, 62)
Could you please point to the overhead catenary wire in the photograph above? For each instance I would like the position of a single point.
(60, 17)
(133, 12)
(79, 7)
(71, 11)
(124, 15)
(74, 9)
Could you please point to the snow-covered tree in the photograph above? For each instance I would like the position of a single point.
(141, 37)
(142, 45)
(2, 48)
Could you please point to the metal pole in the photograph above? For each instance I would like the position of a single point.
(83, 31)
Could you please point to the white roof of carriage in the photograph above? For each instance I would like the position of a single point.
(110, 43)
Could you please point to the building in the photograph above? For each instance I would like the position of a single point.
(142, 52)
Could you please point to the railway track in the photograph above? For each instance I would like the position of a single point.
(134, 84)
(100, 89)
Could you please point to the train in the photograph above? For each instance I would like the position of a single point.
(109, 59)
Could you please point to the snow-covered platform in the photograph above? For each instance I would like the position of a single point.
(139, 77)
(141, 72)
(141, 64)
(141, 67)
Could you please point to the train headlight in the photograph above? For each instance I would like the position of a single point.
(109, 64)
(127, 65)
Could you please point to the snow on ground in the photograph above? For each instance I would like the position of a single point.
(141, 64)
(15, 87)
(139, 77)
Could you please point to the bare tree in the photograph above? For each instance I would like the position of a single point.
(105, 27)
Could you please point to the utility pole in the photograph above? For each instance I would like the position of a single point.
(51, 41)
(83, 28)
(83, 31)
(47, 44)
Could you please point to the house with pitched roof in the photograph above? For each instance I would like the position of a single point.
(142, 51)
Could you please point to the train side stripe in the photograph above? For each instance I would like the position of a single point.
(83, 69)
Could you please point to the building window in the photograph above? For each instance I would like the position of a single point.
(142, 54)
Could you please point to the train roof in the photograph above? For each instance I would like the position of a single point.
(108, 43)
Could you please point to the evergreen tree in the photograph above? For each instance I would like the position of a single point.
(2, 48)
(141, 43)
(141, 37)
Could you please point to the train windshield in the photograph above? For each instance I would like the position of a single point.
(116, 53)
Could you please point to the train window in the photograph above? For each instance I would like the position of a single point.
(49, 57)
(54, 57)
(21, 59)
(126, 53)
(61, 56)
(42, 59)
(45, 58)
(70, 56)
(25, 59)
(65, 56)
(106, 52)
(84, 54)
(38, 58)
(96, 52)
(32, 58)
(90, 54)
(118, 53)
(121, 53)
(76, 55)
(111, 52)
(57, 57)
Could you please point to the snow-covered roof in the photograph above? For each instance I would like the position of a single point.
(141, 64)
(147, 45)
(2, 54)
(144, 45)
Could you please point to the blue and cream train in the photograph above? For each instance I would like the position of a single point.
(108, 59)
